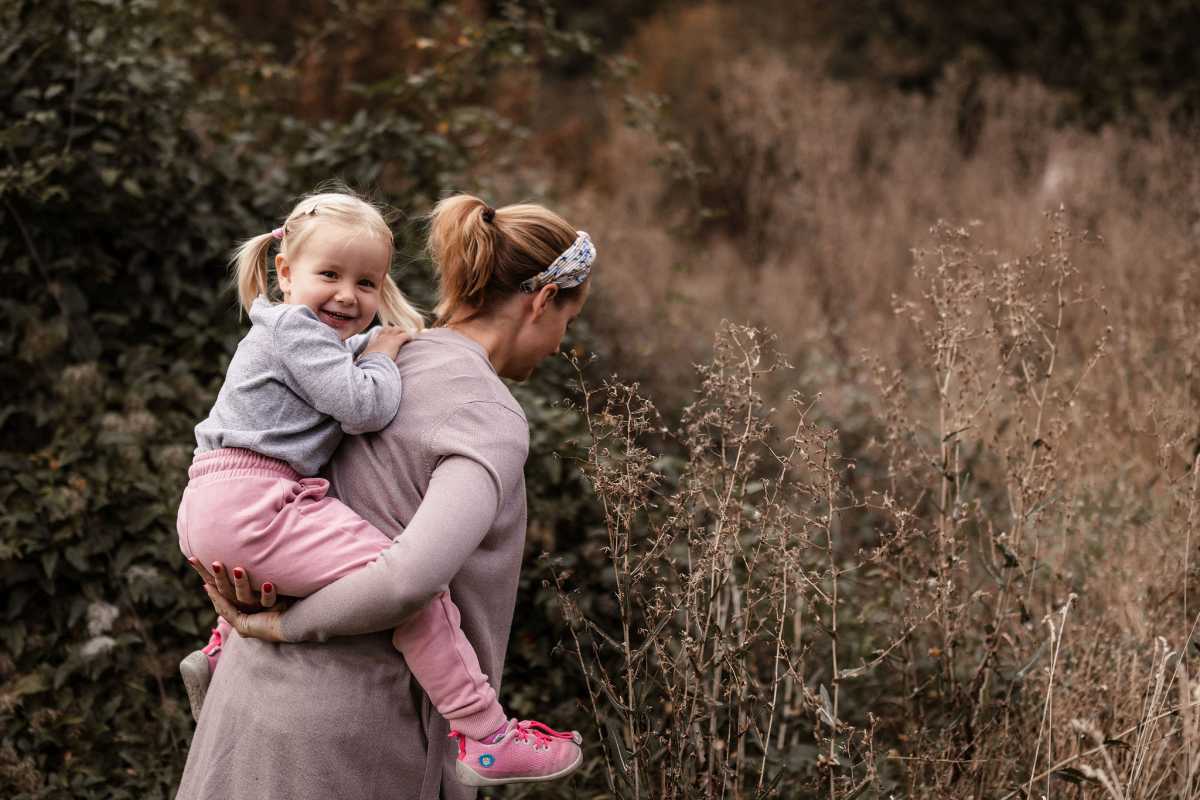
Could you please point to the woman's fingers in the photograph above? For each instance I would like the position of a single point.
(225, 608)
(236, 590)
(241, 587)
(265, 625)
(200, 570)
(221, 581)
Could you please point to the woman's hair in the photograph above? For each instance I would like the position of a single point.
(483, 254)
(329, 205)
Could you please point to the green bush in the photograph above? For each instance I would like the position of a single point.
(141, 140)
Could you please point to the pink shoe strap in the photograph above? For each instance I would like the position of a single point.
(542, 733)
(214, 643)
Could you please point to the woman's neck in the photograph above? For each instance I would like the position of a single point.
(494, 333)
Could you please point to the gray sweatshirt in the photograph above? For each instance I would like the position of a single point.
(339, 715)
(293, 388)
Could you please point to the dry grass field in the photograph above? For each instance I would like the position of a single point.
(949, 548)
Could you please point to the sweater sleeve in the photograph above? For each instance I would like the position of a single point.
(362, 396)
(479, 455)
(359, 341)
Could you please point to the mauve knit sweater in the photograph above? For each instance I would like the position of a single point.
(338, 715)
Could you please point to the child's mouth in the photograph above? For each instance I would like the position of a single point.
(337, 316)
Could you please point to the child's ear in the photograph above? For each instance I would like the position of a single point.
(283, 273)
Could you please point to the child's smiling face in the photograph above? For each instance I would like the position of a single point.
(338, 274)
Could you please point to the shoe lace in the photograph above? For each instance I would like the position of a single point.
(541, 733)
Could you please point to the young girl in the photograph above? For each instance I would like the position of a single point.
(304, 375)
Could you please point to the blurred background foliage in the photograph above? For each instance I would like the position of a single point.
(1113, 59)
(141, 139)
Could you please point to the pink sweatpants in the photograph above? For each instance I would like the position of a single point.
(248, 510)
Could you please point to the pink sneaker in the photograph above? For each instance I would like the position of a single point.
(528, 751)
(197, 670)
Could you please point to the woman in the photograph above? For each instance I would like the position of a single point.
(313, 702)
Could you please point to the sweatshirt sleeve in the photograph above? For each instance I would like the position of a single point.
(359, 341)
(362, 396)
(479, 455)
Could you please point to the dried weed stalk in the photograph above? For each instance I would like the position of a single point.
(721, 674)
(993, 599)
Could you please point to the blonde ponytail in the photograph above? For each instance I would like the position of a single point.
(483, 254)
(394, 308)
(250, 272)
(463, 245)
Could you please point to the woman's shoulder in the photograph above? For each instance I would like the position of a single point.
(450, 372)
(455, 403)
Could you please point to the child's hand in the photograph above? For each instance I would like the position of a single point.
(388, 339)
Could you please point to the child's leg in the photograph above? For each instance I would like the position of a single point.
(247, 510)
(491, 751)
(250, 511)
(445, 664)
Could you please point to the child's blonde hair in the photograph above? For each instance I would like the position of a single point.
(251, 261)
(483, 254)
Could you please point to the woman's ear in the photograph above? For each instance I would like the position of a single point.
(542, 300)
(283, 273)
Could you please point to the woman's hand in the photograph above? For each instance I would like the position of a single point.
(236, 602)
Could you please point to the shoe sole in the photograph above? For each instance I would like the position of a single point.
(194, 671)
(470, 777)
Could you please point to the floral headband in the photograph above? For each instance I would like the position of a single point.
(569, 269)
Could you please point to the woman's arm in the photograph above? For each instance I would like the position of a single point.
(480, 456)
(454, 516)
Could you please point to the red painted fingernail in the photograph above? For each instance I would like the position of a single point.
(268, 587)
(217, 568)
(239, 573)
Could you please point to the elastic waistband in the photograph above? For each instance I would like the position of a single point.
(236, 462)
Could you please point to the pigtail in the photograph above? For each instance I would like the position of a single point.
(464, 244)
(250, 272)
(394, 308)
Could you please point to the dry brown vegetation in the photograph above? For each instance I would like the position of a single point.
(951, 551)
(947, 552)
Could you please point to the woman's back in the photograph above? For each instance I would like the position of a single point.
(344, 718)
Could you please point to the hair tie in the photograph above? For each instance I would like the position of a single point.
(278, 233)
(489, 213)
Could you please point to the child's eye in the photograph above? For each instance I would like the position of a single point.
(328, 273)
(367, 282)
